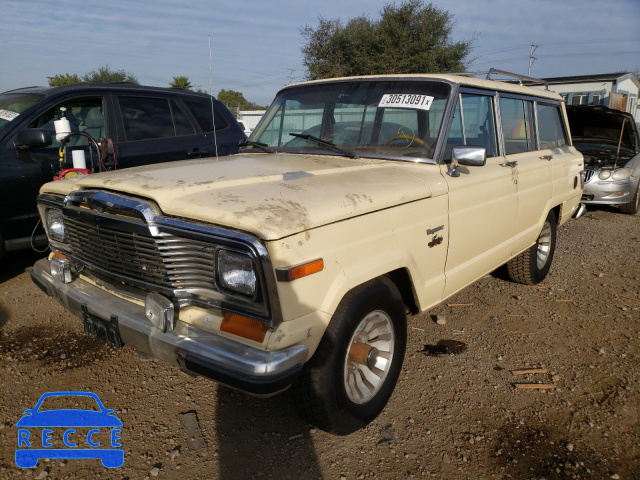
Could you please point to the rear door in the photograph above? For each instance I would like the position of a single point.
(531, 167)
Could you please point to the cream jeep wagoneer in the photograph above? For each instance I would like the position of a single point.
(355, 202)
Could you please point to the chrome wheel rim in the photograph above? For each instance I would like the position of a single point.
(362, 382)
(544, 246)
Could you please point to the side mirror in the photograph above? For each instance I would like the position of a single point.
(469, 155)
(32, 138)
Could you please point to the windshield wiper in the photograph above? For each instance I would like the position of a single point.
(263, 146)
(319, 141)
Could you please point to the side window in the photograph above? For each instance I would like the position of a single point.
(85, 115)
(151, 118)
(516, 116)
(473, 124)
(204, 115)
(550, 128)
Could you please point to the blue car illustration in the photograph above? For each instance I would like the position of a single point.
(36, 435)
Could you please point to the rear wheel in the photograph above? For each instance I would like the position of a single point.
(532, 265)
(351, 376)
(633, 206)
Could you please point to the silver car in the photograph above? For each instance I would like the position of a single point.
(609, 141)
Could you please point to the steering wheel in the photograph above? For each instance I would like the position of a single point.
(408, 138)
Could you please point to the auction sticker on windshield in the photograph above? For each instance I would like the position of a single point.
(7, 114)
(406, 100)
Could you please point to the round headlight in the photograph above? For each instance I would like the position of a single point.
(55, 225)
(236, 272)
(604, 174)
(621, 174)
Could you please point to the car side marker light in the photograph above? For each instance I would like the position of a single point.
(299, 271)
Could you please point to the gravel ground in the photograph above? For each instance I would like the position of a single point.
(454, 415)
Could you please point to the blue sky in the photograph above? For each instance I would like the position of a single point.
(256, 44)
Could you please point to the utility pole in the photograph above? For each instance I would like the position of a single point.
(532, 58)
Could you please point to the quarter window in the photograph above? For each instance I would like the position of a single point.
(550, 127)
(204, 114)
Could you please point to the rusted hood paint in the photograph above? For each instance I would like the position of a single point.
(272, 196)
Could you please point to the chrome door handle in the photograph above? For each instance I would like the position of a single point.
(509, 164)
(546, 157)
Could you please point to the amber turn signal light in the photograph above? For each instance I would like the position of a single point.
(243, 327)
(299, 271)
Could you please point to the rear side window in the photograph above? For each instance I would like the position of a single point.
(550, 128)
(204, 114)
(516, 116)
(152, 118)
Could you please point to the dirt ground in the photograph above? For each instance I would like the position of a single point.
(452, 416)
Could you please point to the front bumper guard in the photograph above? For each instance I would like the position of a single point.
(194, 350)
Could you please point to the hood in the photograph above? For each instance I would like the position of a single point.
(594, 125)
(271, 196)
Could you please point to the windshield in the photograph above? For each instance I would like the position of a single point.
(13, 104)
(390, 119)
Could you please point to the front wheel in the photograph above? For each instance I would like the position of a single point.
(532, 265)
(351, 376)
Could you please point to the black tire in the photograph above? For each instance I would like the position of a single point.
(532, 265)
(633, 206)
(322, 394)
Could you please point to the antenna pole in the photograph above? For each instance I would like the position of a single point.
(213, 115)
(532, 58)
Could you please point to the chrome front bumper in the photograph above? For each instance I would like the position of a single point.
(608, 192)
(194, 350)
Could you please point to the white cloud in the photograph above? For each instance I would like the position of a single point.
(256, 44)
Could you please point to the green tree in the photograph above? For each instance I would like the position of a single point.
(105, 74)
(64, 79)
(235, 101)
(410, 38)
(181, 82)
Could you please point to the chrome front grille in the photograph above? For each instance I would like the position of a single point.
(588, 175)
(165, 259)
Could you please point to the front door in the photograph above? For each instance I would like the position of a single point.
(483, 201)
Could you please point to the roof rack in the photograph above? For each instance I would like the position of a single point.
(519, 77)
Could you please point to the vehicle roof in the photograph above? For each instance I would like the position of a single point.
(463, 80)
(109, 86)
